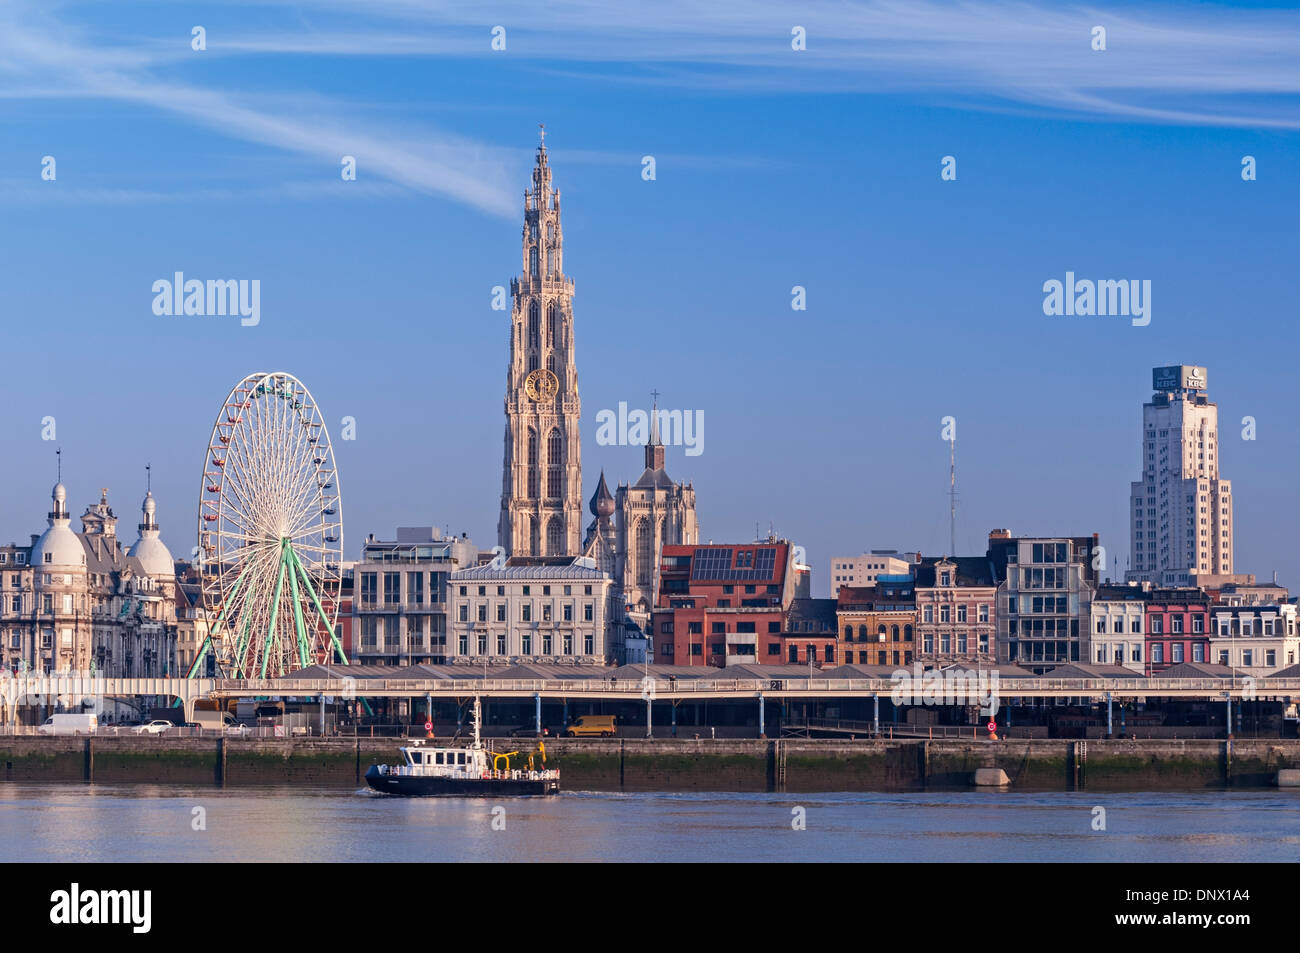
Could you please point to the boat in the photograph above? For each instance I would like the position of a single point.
(430, 770)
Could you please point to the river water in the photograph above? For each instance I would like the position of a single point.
(135, 822)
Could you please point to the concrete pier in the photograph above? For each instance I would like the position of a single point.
(789, 764)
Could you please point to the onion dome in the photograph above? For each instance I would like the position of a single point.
(602, 502)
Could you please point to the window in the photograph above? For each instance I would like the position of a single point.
(525, 613)
(961, 613)
(532, 463)
(588, 612)
(927, 614)
(501, 612)
(1176, 652)
(554, 469)
(983, 615)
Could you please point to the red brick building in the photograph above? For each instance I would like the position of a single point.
(723, 604)
(1177, 627)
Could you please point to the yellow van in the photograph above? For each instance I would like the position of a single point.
(592, 726)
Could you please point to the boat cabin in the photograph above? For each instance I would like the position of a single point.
(441, 762)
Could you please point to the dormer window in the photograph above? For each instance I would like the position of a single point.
(945, 579)
(49, 557)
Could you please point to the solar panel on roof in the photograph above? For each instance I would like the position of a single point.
(718, 564)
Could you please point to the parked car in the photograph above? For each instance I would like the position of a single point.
(529, 731)
(155, 727)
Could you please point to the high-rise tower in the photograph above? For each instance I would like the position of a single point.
(541, 494)
(1180, 512)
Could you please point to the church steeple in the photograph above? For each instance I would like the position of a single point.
(654, 448)
(541, 497)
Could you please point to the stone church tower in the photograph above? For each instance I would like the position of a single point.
(634, 524)
(541, 494)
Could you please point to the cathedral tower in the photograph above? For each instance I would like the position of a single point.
(541, 494)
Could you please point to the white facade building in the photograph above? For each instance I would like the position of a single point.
(1180, 512)
(533, 609)
(1117, 632)
(1256, 640)
(864, 570)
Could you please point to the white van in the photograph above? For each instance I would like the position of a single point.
(216, 720)
(70, 725)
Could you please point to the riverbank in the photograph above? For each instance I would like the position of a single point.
(619, 764)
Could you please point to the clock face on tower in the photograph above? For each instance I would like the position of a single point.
(541, 385)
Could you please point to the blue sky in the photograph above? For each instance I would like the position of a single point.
(775, 168)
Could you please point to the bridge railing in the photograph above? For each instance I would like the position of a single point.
(14, 688)
(661, 686)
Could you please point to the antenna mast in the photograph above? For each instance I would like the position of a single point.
(952, 496)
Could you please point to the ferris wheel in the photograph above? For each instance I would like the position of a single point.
(270, 532)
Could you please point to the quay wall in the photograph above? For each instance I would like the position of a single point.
(629, 764)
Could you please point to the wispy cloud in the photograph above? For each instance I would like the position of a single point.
(54, 60)
(1160, 63)
(1195, 65)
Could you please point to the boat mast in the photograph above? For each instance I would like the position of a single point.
(477, 715)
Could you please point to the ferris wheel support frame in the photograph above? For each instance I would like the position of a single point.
(270, 438)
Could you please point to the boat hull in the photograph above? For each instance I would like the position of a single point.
(462, 787)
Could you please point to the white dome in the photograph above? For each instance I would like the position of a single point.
(62, 545)
(154, 555)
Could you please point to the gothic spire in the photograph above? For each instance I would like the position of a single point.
(654, 448)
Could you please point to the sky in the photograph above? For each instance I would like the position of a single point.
(775, 167)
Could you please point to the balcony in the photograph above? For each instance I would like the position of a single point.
(376, 606)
